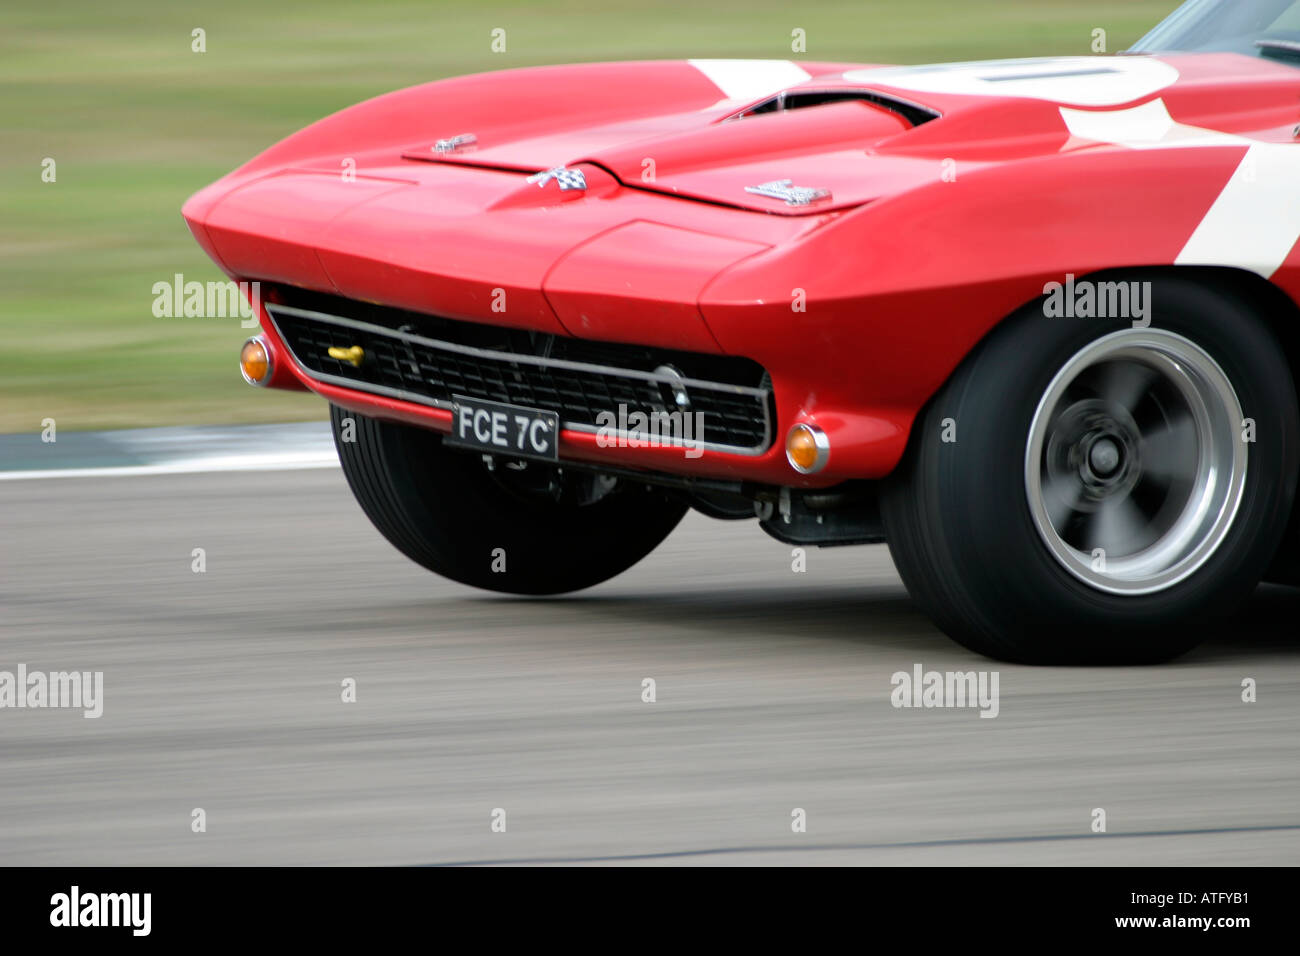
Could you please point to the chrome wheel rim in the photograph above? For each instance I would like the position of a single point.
(1134, 467)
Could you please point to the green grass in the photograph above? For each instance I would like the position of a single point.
(136, 122)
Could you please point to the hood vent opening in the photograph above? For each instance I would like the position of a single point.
(914, 113)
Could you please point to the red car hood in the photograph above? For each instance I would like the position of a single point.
(870, 135)
(704, 155)
(361, 204)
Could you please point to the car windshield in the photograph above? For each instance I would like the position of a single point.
(1269, 28)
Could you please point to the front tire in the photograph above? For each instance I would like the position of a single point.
(522, 531)
(1105, 500)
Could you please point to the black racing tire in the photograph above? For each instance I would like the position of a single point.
(444, 510)
(990, 568)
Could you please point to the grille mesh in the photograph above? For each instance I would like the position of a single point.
(574, 378)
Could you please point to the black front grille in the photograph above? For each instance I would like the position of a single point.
(430, 360)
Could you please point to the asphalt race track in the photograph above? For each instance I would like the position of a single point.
(222, 691)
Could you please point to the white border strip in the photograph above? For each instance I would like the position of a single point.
(751, 79)
(186, 466)
(1255, 221)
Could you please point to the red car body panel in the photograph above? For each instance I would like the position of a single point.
(933, 233)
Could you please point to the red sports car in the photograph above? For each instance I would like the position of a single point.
(1031, 322)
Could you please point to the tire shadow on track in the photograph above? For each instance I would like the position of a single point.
(874, 618)
(1268, 623)
(866, 618)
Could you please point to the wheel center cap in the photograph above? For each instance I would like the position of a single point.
(1104, 457)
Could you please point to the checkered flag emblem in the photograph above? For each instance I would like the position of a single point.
(567, 178)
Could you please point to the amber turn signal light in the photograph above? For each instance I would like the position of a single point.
(807, 448)
(255, 362)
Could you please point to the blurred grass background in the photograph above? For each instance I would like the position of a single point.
(136, 122)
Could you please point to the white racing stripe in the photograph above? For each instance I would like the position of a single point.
(751, 79)
(1076, 80)
(1255, 221)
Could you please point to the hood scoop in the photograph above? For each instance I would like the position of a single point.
(779, 157)
(799, 152)
(787, 100)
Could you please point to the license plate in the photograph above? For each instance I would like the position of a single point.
(505, 429)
